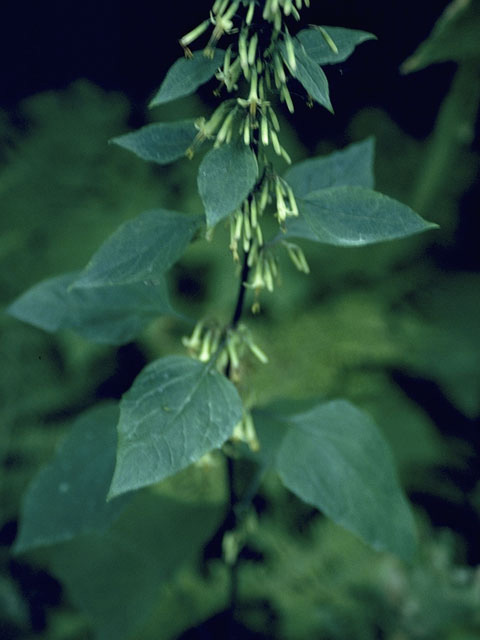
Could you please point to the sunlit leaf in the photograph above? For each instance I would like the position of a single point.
(354, 216)
(68, 497)
(141, 250)
(186, 75)
(333, 457)
(177, 410)
(225, 178)
(345, 41)
(162, 142)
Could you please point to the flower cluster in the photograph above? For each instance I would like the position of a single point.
(273, 8)
(245, 432)
(260, 58)
(228, 347)
(264, 61)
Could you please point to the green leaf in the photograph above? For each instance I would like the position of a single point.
(110, 315)
(162, 142)
(350, 166)
(186, 75)
(354, 216)
(68, 497)
(117, 577)
(318, 49)
(225, 178)
(310, 75)
(177, 410)
(141, 250)
(454, 37)
(333, 457)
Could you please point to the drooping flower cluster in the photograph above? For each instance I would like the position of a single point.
(263, 55)
(259, 59)
(228, 347)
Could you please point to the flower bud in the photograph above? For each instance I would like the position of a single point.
(328, 39)
(250, 12)
(230, 547)
(191, 36)
(246, 130)
(292, 63)
(267, 275)
(242, 52)
(264, 129)
(274, 119)
(275, 143)
(232, 351)
(194, 341)
(252, 49)
(253, 213)
(250, 434)
(220, 6)
(206, 352)
(287, 98)
(292, 201)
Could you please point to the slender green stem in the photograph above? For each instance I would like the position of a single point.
(241, 292)
(232, 494)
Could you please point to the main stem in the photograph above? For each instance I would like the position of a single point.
(237, 314)
(232, 494)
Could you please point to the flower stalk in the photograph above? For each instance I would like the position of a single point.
(256, 67)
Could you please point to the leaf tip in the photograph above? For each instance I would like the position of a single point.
(426, 225)
(10, 309)
(119, 486)
(409, 65)
(17, 310)
(116, 141)
(113, 491)
(154, 102)
(19, 546)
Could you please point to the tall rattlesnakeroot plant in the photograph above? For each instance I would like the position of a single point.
(181, 408)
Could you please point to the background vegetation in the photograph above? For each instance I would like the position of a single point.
(395, 328)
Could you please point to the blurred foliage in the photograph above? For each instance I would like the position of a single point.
(454, 37)
(322, 582)
(373, 324)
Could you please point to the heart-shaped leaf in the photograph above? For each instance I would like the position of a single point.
(333, 457)
(177, 410)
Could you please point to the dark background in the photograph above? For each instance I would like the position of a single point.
(128, 46)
